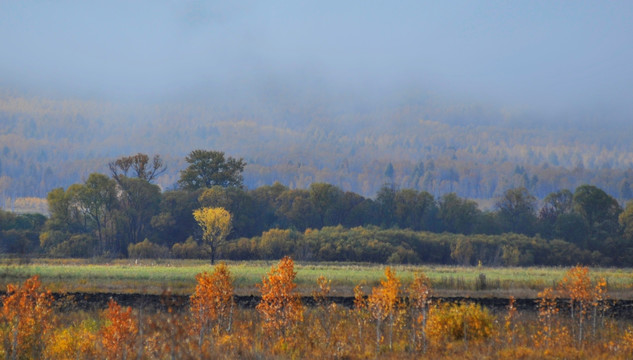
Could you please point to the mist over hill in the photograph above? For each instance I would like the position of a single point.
(432, 145)
(454, 97)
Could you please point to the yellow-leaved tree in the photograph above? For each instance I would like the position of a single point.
(383, 301)
(216, 226)
(582, 294)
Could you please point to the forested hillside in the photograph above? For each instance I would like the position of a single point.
(416, 141)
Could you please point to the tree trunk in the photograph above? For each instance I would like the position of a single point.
(377, 335)
(212, 254)
(390, 330)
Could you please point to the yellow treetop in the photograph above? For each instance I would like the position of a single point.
(215, 224)
(383, 299)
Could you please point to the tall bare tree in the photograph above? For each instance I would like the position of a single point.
(139, 165)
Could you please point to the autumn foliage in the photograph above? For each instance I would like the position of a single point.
(585, 298)
(419, 292)
(459, 321)
(78, 341)
(212, 303)
(216, 226)
(26, 319)
(383, 301)
(280, 306)
(119, 336)
(395, 321)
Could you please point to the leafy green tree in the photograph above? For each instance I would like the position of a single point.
(65, 214)
(622, 251)
(516, 211)
(626, 221)
(10, 220)
(266, 202)
(98, 199)
(174, 222)
(208, 168)
(555, 205)
(488, 223)
(296, 210)
(600, 212)
(458, 215)
(386, 201)
(572, 228)
(327, 201)
(139, 202)
(117, 213)
(359, 211)
(415, 210)
(61, 221)
(558, 203)
(59, 209)
(77, 211)
(19, 232)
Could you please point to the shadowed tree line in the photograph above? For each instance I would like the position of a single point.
(125, 214)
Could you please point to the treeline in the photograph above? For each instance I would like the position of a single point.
(125, 214)
(19, 233)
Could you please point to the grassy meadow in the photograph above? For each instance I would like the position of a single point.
(379, 325)
(155, 276)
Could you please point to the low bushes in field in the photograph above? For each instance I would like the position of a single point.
(373, 244)
(459, 321)
(147, 250)
(391, 319)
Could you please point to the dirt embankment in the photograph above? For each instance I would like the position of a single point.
(97, 301)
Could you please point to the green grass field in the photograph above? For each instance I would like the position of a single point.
(154, 277)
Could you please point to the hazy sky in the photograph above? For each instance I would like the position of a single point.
(538, 55)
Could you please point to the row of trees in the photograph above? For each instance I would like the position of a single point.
(106, 215)
(19, 233)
